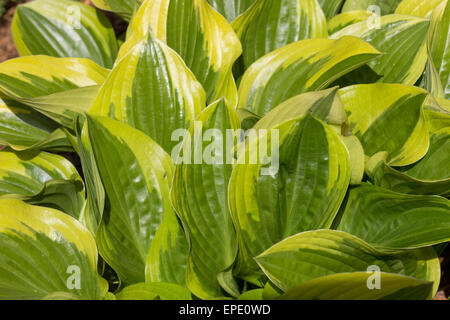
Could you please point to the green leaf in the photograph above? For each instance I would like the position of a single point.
(199, 195)
(44, 251)
(401, 38)
(35, 76)
(319, 253)
(303, 66)
(199, 34)
(272, 201)
(136, 174)
(272, 24)
(388, 117)
(154, 291)
(394, 220)
(347, 18)
(438, 71)
(231, 9)
(354, 286)
(386, 6)
(330, 7)
(124, 8)
(152, 90)
(63, 107)
(43, 178)
(255, 294)
(23, 128)
(418, 8)
(64, 28)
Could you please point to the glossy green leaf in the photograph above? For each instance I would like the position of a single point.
(418, 8)
(401, 38)
(300, 189)
(306, 65)
(272, 24)
(438, 70)
(45, 251)
(319, 253)
(64, 107)
(354, 286)
(385, 6)
(199, 34)
(199, 195)
(347, 18)
(64, 28)
(231, 9)
(388, 117)
(255, 294)
(330, 7)
(43, 178)
(23, 128)
(154, 291)
(124, 8)
(35, 76)
(136, 174)
(152, 90)
(389, 219)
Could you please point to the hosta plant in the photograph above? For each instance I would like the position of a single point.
(225, 149)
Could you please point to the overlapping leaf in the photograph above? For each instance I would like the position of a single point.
(23, 128)
(330, 7)
(64, 28)
(347, 18)
(231, 9)
(401, 38)
(319, 253)
(136, 174)
(385, 6)
(272, 24)
(45, 251)
(45, 179)
(154, 291)
(302, 66)
(270, 202)
(199, 195)
(388, 117)
(418, 8)
(199, 34)
(389, 219)
(151, 89)
(353, 286)
(124, 8)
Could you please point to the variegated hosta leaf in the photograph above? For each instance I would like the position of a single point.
(437, 76)
(231, 9)
(353, 286)
(418, 8)
(306, 65)
(347, 18)
(430, 175)
(401, 38)
(152, 90)
(330, 7)
(313, 254)
(45, 251)
(154, 291)
(45, 179)
(394, 220)
(300, 189)
(23, 128)
(272, 24)
(388, 117)
(199, 34)
(64, 28)
(64, 107)
(136, 174)
(385, 6)
(124, 8)
(199, 195)
(35, 76)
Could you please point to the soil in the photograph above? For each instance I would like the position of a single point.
(8, 51)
